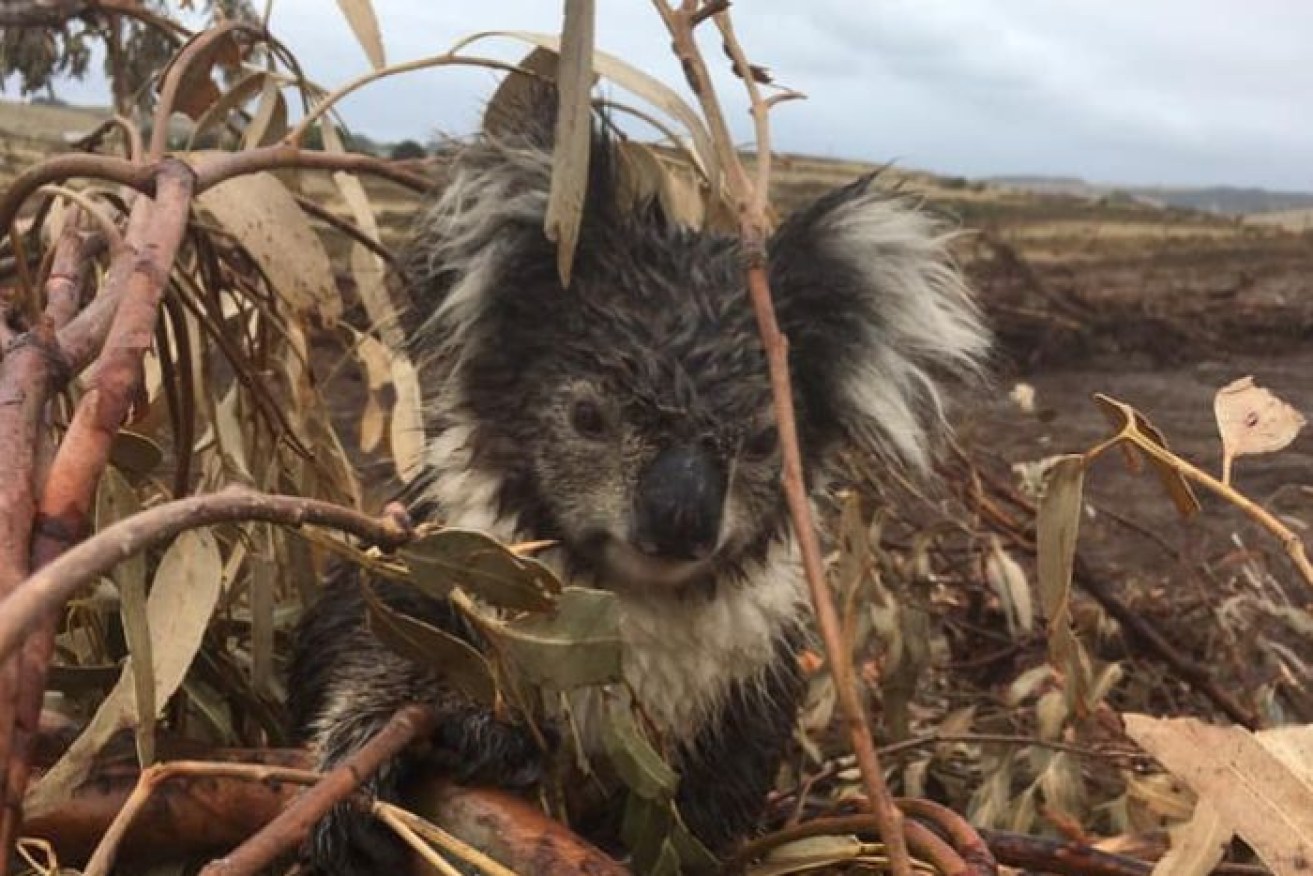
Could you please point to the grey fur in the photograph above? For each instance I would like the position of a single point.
(545, 406)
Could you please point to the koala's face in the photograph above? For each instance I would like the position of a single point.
(649, 497)
(632, 411)
(647, 420)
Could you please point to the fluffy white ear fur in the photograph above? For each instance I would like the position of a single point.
(919, 322)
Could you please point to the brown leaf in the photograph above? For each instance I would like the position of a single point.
(1252, 420)
(574, 83)
(261, 213)
(269, 123)
(1136, 427)
(364, 24)
(196, 89)
(1057, 527)
(185, 591)
(1245, 778)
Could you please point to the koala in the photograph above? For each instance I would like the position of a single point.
(627, 417)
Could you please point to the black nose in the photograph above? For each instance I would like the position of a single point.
(678, 505)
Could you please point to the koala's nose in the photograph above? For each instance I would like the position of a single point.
(678, 505)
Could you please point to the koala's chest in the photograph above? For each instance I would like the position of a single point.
(682, 658)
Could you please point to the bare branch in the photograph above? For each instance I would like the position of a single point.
(753, 229)
(285, 832)
(47, 589)
(214, 169)
(63, 167)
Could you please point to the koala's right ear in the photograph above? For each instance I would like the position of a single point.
(877, 314)
(525, 104)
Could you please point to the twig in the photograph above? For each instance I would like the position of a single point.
(753, 223)
(446, 59)
(409, 724)
(214, 169)
(388, 814)
(47, 589)
(152, 777)
(1290, 541)
(177, 72)
(1140, 628)
(346, 227)
(1072, 859)
(69, 490)
(110, 168)
(434, 834)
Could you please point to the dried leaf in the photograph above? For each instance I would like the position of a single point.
(407, 436)
(196, 88)
(116, 500)
(1009, 582)
(577, 645)
(806, 855)
(261, 213)
(1253, 790)
(269, 123)
(482, 565)
(1197, 845)
(574, 83)
(450, 657)
(1056, 530)
(636, 82)
(1137, 429)
(364, 24)
(376, 361)
(1252, 420)
(186, 589)
(135, 454)
(216, 115)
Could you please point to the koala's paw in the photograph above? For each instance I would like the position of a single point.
(348, 840)
(480, 749)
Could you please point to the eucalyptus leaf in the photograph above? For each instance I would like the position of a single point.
(481, 565)
(575, 646)
(452, 658)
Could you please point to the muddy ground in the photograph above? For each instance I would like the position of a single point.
(1162, 329)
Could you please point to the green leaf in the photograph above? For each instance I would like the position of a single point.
(481, 565)
(452, 658)
(576, 645)
(639, 765)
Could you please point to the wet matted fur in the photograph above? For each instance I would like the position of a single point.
(622, 417)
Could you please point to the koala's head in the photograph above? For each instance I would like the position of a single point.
(629, 414)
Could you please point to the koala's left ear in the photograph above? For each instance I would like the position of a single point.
(877, 315)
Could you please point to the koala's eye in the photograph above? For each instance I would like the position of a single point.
(587, 419)
(762, 444)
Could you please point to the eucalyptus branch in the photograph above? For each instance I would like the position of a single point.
(151, 778)
(50, 587)
(214, 169)
(1290, 540)
(753, 229)
(139, 177)
(447, 59)
(409, 724)
(177, 73)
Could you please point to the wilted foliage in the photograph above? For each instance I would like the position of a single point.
(272, 363)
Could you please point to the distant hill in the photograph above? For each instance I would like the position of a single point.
(1229, 200)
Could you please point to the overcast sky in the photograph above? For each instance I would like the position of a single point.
(1156, 91)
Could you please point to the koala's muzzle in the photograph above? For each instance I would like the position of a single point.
(677, 509)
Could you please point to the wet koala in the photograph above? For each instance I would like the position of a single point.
(628, 418)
